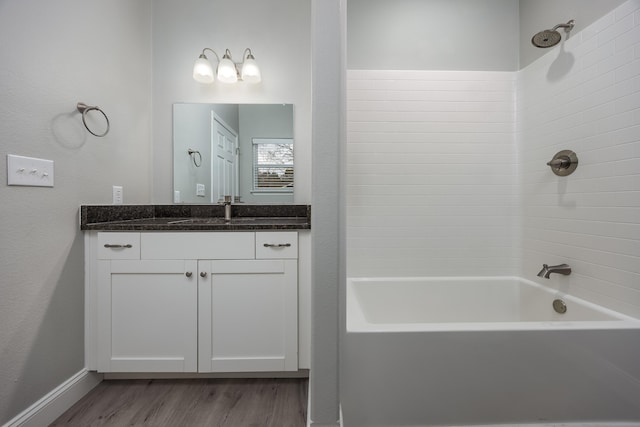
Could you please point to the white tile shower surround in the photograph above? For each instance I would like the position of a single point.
(447, 170)
(432, 186)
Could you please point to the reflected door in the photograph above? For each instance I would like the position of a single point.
(224, 143)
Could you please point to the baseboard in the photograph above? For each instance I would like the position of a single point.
(56, 402)
(302, 373)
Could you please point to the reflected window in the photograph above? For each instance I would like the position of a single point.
(273, 165)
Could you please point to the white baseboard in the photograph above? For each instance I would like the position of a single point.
(302, 373)
(56, 402)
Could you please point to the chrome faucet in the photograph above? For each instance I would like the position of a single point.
(548, 269)
(227, 208)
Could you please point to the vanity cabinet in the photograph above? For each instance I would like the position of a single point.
(192, 301)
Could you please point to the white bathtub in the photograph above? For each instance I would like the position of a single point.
(490, 350)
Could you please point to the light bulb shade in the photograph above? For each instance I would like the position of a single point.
(227, 72)
(250, 71)
(202, 70)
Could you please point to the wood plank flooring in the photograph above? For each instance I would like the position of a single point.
(195, 402)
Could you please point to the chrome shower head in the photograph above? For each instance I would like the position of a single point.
(550, 38)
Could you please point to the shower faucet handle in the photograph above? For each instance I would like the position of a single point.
(559, 163)
(564, 163)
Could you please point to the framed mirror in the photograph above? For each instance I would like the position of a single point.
(240, 150)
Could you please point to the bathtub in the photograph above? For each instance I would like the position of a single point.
(484, 351)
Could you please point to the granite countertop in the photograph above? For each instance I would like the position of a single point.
(194, 217)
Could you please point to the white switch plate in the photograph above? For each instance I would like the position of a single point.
(29, 171)
(117, 195)
(200, 190)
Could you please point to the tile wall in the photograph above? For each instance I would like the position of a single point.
(432, 184)
(585, 96)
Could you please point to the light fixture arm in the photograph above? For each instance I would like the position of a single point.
(210, 50)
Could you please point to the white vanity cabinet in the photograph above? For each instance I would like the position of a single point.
(192, 301)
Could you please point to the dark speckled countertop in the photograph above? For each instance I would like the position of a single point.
(194, 217)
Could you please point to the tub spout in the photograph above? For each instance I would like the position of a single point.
(548, 269)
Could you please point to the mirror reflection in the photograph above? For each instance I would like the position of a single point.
(239, 150)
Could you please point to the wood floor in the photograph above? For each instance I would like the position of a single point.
(192, 403)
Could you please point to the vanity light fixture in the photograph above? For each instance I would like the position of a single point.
(227, 70)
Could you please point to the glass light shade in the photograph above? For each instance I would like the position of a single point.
(227, 72)
(250, 71)
(202, 71)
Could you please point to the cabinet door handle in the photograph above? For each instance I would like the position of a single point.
(188, 274)
(203, 274)
(107, 245)
(277, 245)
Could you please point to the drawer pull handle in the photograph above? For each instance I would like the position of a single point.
(203, 274)
(188, 274)
(277, 245)
(117, 246)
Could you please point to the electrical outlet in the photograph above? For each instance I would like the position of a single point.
(117, 195)
(200, 190)
(177, 198)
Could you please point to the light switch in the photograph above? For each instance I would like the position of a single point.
(29, 171)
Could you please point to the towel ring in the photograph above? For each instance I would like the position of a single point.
(84, 109)
(193, 157)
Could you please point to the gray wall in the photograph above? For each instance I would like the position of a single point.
(262, 121)
(492, 35)
(432, 34)
(192, 130)
(538, 15)
(55, 54)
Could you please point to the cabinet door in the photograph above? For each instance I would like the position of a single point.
(147, 316)
(248, 316)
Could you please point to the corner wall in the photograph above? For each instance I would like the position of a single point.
(538, 15)
(55, 54)
(585, 96)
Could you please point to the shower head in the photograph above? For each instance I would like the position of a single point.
(546, 38)
(552, 37)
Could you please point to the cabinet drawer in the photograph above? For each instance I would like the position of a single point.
(277, 245)
(212, 245)
(118, 245)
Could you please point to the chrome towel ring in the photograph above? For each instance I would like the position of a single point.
(193, 154)
(84, 109)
